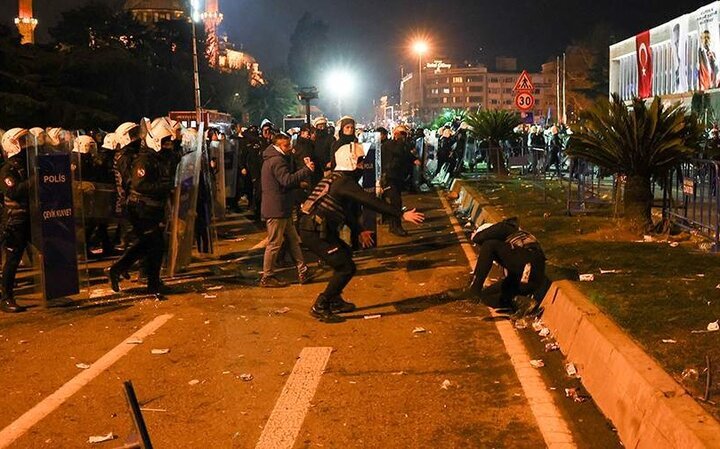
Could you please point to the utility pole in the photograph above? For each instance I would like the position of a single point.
(196, 73)
(307, 94)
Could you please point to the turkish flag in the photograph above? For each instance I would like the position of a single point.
(644, 64)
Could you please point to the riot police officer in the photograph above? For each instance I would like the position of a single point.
(148, 193)
(16, 219)
(334, 203)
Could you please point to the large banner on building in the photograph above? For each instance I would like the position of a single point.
(644, 64)
(708, 19)
(679, 58)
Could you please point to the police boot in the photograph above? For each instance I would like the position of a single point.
(8, 305)
(322, 310)
(114, 278)
(339, 305)
(523, 306)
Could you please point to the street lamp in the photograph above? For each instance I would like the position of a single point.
(341, 84)
(420, 47)
(195, 17)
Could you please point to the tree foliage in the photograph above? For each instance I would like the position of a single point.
(493, 126)
(308, 50)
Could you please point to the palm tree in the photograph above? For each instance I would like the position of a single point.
(493, 126)
(641, 142)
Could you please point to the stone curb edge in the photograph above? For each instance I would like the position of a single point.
(647, 406)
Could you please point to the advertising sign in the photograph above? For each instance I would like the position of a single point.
(57, 216)
(708, 20)
(644, 64)
(679, 58)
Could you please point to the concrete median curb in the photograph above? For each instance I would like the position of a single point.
(646, 405)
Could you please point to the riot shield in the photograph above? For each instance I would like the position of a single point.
(371, 180)
(216, 152)
(56, 195)
(232, 161)
(184, 210)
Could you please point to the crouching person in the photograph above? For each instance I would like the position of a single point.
(520, 254)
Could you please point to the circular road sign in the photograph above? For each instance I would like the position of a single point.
(524, 101)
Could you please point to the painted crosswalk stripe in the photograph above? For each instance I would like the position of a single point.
(43, 408)
(286, 419)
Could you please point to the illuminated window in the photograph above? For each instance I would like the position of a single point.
(457, 79)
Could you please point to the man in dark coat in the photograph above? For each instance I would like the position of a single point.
(278, 181)
(324, 141)
(396, 160)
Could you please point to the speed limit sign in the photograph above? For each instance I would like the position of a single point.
(524, 101)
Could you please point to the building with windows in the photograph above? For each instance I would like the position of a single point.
(674, 60)
(153, 11)
(465, 86)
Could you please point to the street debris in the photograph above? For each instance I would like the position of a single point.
(215, 287)
(282, 311)
(101, 438)
(246, 377)
(160, 351)
(159, 410)
(714, 326)
(587, 277)
(372, 317)
(399, 373)
(537, 325)
(82, 365)
(571, 370)
(648, 238)
(208, 296)
(610, 271)
(573, 394)
(135, 341)
(537, 363)
(521, 324)
(669, 341)
(446, 384)
(544, 332)
(549, 347)
(194, 382)
(690, 373)
(674, 244)
(419, 330)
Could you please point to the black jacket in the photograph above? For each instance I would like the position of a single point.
(147, 183)
(14, 186)
(323, 149)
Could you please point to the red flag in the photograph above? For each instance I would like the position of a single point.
(644, 64)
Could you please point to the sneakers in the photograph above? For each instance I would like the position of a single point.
(271, 282)
(339, 305)
(323, 311)
(304, 274)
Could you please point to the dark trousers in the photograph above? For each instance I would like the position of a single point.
(393, 194)
(17, 237)
(514, 261)
(332, 250)
(148, 245)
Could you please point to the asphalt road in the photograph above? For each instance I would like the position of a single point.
(426, 373)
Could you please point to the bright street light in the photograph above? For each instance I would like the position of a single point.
(340, 83)
(420, 47)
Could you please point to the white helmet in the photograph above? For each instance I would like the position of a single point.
(161, 129)
(84, 145)
(110, 142)
(12, 141)
(39, 134)
(55, 136)
(127, 133)
(346, 157)
(189, 138)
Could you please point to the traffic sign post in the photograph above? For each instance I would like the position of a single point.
(524, 92)
(524, 101)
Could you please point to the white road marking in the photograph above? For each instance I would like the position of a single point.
(553, 427)
(286, 419)
(43, 408)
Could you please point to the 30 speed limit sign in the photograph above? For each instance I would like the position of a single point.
(524, 101)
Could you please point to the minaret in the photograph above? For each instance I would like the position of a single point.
(212, 18)
(25, 22)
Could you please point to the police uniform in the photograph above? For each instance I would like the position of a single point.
(147, 197)
(16, 222)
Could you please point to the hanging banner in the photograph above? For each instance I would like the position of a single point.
(708, 19)
(679, 59)
(644, 64)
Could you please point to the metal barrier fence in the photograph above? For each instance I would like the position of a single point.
(691, 199)
(589, 190)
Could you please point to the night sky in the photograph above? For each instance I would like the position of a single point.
(372, 35)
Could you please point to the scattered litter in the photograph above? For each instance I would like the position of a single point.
(714, 326)
(22, 342)
(674, 244)
(544, 332)
(82, 365)
(521, 324)
(135, 341)
(571, 370)
(700, 275)
(215, 287)
(537, 363)
(399, 373)
(207, 321)
(246, 377)
(422, 284)
(717, 286)
(587, 277)
(549, 347)
(101, 438)
(610, 271)
(546, 215)
(194, 382)
(690, 373)
(226, 372)
(446, 384)
(537, 325)
(648, 238)
(574, 395)
(372, 317)
(239, 239)
(282, 311)
(206, 296)
(160, 351)
(419, 330)
(669, 341)
(161, 410)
